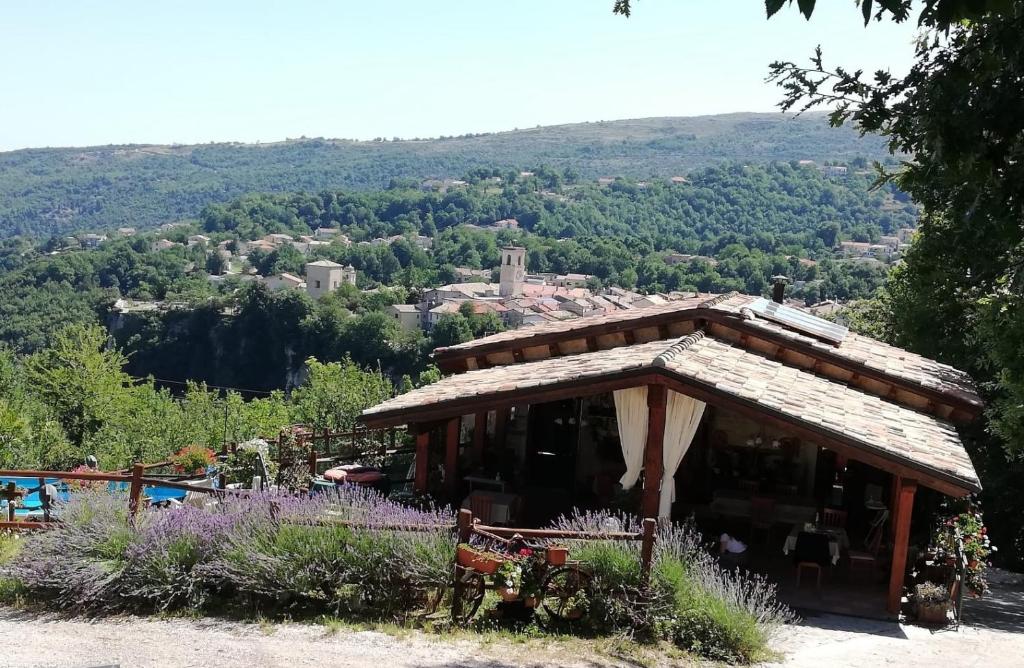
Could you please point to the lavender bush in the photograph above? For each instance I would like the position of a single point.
(723, 615)
(268, 552)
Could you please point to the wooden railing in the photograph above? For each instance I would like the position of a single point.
(136, 481)
(327, 447)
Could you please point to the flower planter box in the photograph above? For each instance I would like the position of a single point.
(481, 562)
(556, 556)
(933, 613)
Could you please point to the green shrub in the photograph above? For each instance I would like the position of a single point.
(692, 602)
(704, 623)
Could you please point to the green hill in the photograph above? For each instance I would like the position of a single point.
(59, 190)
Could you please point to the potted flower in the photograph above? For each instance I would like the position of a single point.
(964, 533)
(481, 561)
(510, 579)
(533, 570)
(193, 460)
(931, 602)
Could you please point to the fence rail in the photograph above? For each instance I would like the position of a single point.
(136, 482)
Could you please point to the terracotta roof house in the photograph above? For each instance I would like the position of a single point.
(731, 407)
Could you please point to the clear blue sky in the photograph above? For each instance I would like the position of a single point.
(80, 73)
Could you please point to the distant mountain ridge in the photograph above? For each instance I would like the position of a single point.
(60, 190)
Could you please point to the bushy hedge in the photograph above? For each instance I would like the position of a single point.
(265, 553)
(273, 554)
(692, 602)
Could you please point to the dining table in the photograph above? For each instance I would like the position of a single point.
(838, 540)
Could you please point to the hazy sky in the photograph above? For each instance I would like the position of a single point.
(81, 73)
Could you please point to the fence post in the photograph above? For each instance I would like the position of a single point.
(464, 526)
(44, 498)
(135, 492)
(647, 548)
(312, 462)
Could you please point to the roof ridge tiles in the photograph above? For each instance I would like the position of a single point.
(717, 299)
(680, 346)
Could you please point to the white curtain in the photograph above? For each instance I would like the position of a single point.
(631, 414)
(682, 417)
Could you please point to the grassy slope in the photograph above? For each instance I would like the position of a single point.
(56, 190)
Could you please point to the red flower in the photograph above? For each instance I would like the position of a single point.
(526, 552)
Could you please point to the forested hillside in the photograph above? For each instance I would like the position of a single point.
(54, 191)
(752, 221)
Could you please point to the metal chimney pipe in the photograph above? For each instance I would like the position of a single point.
(779, 288)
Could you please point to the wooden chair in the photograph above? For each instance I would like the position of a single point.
(867, 559)
(762, 515)
(834, 518)
(811, 552)
(481, 506)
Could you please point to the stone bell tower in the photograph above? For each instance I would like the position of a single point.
(513, 271)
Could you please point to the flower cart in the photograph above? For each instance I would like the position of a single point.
(534, 576)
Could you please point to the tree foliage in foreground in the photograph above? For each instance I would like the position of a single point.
(959, 297)
(75, 399)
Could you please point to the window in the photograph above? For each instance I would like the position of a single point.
(318, 285)
(520, 261)
(508, 260)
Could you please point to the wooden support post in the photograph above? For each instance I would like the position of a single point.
(479, 436)
(894, 495)
(647, 548)
(653, 459)
(451, 457)
(422, 460)
(464, 526)
(904, 510)
(135, 491)
(500, 427)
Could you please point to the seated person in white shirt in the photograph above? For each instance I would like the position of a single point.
(731, 549)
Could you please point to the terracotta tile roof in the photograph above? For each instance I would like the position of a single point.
(856, 350)
(524, 335)
(484, 382)
(873, 354)
(868, 422)
(877, 424)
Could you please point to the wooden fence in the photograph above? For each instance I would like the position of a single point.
(136, 481)
(327, 447)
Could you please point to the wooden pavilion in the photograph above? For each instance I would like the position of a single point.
(744, 359)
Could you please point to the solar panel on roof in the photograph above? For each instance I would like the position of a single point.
(801, 321)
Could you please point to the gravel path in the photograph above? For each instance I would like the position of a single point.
(992, 637)
(31, 640)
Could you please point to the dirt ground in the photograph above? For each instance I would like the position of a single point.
(993, 636)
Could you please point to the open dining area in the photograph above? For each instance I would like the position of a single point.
(798, 448)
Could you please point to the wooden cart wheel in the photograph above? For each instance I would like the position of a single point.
(468, 594)
(559, 589)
